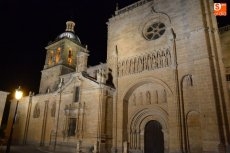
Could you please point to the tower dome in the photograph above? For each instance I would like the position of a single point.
(69, 32)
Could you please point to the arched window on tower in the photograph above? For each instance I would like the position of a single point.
(70, 57)
(51, 57)
(58, 54)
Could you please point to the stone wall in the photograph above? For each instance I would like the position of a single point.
(192, 78)
(3, 96)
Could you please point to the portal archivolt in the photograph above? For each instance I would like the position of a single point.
(143, 104)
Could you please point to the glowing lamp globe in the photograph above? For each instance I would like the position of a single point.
(18, 94)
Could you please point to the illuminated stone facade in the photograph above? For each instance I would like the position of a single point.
(3, 97)
(163, 88)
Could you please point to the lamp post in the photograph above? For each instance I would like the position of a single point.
(18, 96)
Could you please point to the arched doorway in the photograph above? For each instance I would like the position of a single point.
(153, 138)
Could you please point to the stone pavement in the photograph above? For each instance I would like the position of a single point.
(24, 149)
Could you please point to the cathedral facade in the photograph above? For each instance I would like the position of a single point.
(163, 88)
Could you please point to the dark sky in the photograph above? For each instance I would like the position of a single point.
(27, 26)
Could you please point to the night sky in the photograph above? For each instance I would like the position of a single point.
(27, 26)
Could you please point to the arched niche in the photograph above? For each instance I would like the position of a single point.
(194, 132)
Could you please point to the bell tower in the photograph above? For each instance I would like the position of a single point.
(64, 55)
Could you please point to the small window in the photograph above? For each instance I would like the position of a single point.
(36, 113)
(227, 77)
(72, 127)
(77, 93)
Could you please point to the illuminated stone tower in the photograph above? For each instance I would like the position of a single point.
(64, 55)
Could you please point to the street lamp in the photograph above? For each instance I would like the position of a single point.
(18, 96)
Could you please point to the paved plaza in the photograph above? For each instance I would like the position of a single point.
(25, 149)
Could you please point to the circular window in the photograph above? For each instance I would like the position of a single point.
(154, 31)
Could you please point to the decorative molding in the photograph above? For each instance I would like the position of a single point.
(151, 61)
(138, 121)
(131, 7)
(148, 97)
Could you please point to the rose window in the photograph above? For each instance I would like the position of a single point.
(154, 31)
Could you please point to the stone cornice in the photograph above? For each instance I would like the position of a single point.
(224, 29)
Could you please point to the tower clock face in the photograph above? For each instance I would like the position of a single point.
(154, 31)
